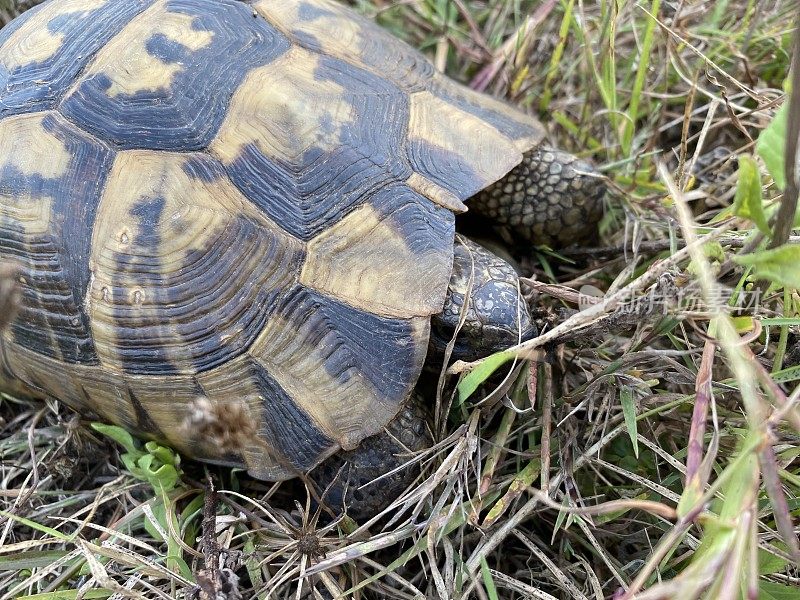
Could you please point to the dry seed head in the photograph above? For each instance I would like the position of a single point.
(227, 424)
(308, 543)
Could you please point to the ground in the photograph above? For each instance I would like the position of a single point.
(643, 445)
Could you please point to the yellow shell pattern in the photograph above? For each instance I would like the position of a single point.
(244, 202)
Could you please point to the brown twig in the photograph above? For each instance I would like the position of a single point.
(703, 394)
(784, 220)
(209, 578)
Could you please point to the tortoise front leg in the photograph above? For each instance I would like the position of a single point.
(551, 197)
(350, 480)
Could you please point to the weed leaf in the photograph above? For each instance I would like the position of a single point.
(779, 265)
(771, 146)
(749, 203)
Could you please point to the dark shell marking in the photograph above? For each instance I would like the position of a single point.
(43, 51)
(185, 269)
(481, 139)
(288, 427)
(165, 81)
(308, 138)
(330, 28)
(51, 177)
(248, 201)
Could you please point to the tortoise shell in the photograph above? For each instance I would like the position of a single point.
(249, 202)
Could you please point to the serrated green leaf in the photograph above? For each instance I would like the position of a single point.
(167, 476)
(771, 146)
(159, 475)
(481, 373)
(145, 464)
(129, 460)
(119, 435)
(629, 412)
(166, 455)
(749, 201)
(780, 265)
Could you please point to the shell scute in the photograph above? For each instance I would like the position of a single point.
(43, 51)
(328, 28)
(457, 139)
(347, 368)
(184, 268)
(165, 80)
(523, 131)
(290, 432)
(401, 233)
(309, 138)
(256, 208)
(45, 164)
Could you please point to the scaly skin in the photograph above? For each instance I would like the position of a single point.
(349, 477)
(551, 197)
(497, 316)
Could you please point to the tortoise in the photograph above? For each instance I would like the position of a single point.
(249, 209)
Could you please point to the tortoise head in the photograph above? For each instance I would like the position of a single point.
(496, 317)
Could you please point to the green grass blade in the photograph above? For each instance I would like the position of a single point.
(481, 373)
(488, 581)
(629, 412)
(555, 59)
(639, 80)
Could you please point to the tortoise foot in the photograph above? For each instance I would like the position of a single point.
(351, 481)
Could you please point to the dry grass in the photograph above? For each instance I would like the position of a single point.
(654, 454)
